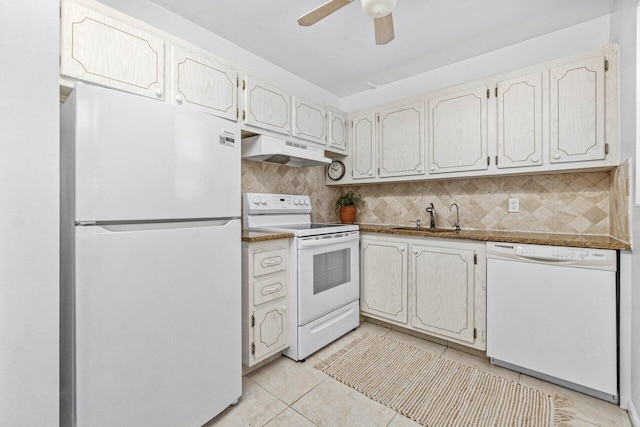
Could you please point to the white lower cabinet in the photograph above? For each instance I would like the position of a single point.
(265, 300)
(433, 286)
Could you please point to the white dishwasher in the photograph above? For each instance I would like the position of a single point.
(552, 314)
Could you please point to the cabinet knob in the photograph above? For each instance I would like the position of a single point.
(415, 251)
(556, 156)
(433, 168)
(401, 249)
(158, 92)
(283, 308)
(534, 159)
(419, 169)
(370, 173)
(179, 98)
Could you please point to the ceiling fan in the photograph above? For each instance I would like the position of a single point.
(379, 10)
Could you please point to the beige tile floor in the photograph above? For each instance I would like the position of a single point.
(287, 393)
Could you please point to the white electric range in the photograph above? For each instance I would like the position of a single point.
(325, 273)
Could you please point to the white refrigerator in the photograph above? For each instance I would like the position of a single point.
(150, 275)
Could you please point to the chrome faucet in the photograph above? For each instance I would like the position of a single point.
(457, 223)
(418, 223)
(432, 214)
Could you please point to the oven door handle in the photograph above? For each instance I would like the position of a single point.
(312, 243)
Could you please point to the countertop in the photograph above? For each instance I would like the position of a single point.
(263, 236)
(556, 239)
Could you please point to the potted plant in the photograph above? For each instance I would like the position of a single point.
(347, 204)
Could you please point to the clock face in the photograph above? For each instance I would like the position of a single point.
(336, 170)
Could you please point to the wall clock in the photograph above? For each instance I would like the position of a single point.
(336, 170)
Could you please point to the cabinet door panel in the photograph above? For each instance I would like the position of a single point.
(100, 49)
(401, 133)
(520, 122)
(337, 131)
(364, 139)
(271, 329)
(458, 131)
(266, 106)
(309, 121)
(443, 292)
(383, 275)
(202, 83)
(577, 98)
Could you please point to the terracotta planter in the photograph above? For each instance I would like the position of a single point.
(347, 214)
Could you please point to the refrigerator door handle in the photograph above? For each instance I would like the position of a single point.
(114, 227)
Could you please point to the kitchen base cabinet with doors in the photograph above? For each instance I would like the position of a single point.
(433, 286)
(265, 299)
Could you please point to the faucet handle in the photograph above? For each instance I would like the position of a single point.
(417, 222)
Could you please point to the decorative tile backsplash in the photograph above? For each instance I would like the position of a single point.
(584, 202)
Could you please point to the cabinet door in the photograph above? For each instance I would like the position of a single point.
(520, 122)
(100, 49)
(383, 286)
(443, 291)
(458, 131)
(337, 125)
(266, 106)
(202, 83)
(577, 111)
(270, 330)
(364, 139)
(309, 121)
(401, 131)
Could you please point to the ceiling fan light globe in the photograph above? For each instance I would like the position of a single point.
(378, 8)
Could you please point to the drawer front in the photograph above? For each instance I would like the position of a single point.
(269, 262)
(269, 289)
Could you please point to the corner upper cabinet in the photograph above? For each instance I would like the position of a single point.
(577, 111)
(383, 279)
(444, 294)
(202, 83)
(520, 122)
(337, 125)
(309, 121)
(363, 130)
(402, 147)
(101, 49)
(266, 106)
(458, 131)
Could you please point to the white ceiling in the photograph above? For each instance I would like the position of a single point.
(339, 53)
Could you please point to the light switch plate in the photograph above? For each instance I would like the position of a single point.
(514, 204)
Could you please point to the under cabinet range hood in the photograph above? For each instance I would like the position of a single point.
(264, 148)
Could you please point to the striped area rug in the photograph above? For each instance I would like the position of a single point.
(436, 392)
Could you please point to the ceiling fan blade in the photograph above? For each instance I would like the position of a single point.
(322, 12)
(384, 29)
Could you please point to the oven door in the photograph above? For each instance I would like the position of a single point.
(328, 274)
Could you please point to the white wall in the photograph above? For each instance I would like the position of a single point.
(155, 15)
(624, 31)
(582, 37)
(29, 171)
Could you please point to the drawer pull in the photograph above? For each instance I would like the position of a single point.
(270, 289)
(270, 262)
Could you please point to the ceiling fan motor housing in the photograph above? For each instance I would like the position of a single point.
(378, 8)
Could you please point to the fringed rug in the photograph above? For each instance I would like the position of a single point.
(436, 392)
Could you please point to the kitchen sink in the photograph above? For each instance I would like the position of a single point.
(426, 229)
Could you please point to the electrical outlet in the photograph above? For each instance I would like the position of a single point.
(514, 204)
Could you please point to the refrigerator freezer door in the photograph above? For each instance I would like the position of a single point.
(139, 159)
(157, 323)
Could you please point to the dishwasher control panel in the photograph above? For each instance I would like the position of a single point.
(578, 257)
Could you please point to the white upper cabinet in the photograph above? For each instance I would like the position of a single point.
(309, 121)
(443, 291)
(402, 148)
(364, 139)
(337, 125)
(520, 122)
(202, 83)
(266, 106)
(97, 48)
(458, 131)
(577, 113)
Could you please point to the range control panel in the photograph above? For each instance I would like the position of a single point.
(264, 203)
